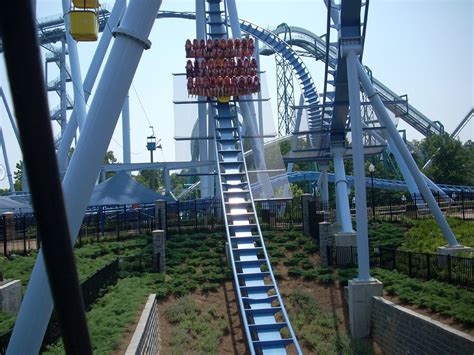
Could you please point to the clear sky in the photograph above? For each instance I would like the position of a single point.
(423, 48)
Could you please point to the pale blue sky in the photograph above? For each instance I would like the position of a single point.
(423, 48)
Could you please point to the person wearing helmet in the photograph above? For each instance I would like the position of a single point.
(251, 46)
(188, 47)
(189, 69)
(237, 47)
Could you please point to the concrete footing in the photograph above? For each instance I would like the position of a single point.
(10, 296)
(360, 303)
(453, 251)
(342, 239)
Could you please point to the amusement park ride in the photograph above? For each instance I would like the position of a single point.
(222, 71)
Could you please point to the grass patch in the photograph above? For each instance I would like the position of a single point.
(195, 330)
(436, 296)
(194, 262)
(388, 235)
(7, 321)
(319, 331)
(112, 314)
(439, 297)
(89, 259)
(424, 235)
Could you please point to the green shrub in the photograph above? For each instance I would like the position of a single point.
(310, 247)
(306, 265)
(291, 246)
(195, 330)
(424, 235)
(437, 296)
(320, 332)
(294, 272)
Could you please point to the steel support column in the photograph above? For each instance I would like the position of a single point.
(86, 162)
(202, 114)
(7, 163)
(249, 114)
(79, 99)
(383, 116)
(342, 205)
(285, 96)
(127, 158)
(62, 87)
(101, 50)
(324, 186)
(359, 167)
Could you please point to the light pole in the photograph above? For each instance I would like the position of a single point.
(371, 171)
(151, 146)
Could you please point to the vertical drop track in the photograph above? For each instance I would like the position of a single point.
(262, 311)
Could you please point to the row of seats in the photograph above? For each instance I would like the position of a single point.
(211, 86)
(223, 67)
(230, 48)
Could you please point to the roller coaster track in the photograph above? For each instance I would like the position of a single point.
(262, 311)
(52, 30)
(311, 45)
(384, 184)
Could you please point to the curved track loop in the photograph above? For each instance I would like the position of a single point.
(301, 72)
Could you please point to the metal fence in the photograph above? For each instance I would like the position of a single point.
(92, 289)
(19, 235)
(451, 269)
(207, 215)
(395, 206)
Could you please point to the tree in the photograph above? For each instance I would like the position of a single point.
(18, 176)
(109, 158)
(452, 162)
(144, 177)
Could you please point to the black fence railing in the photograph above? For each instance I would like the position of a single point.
(207, 215)
(451, 269)
(19, 234)
(92, 289)
(395, 206)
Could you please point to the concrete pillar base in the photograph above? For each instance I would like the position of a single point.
(160, 214)
(159, 261)
(10, 296)
(360, 303)
(342, 239)
(335, 227)
(326, 238)
(453, 251)
(305, 200)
